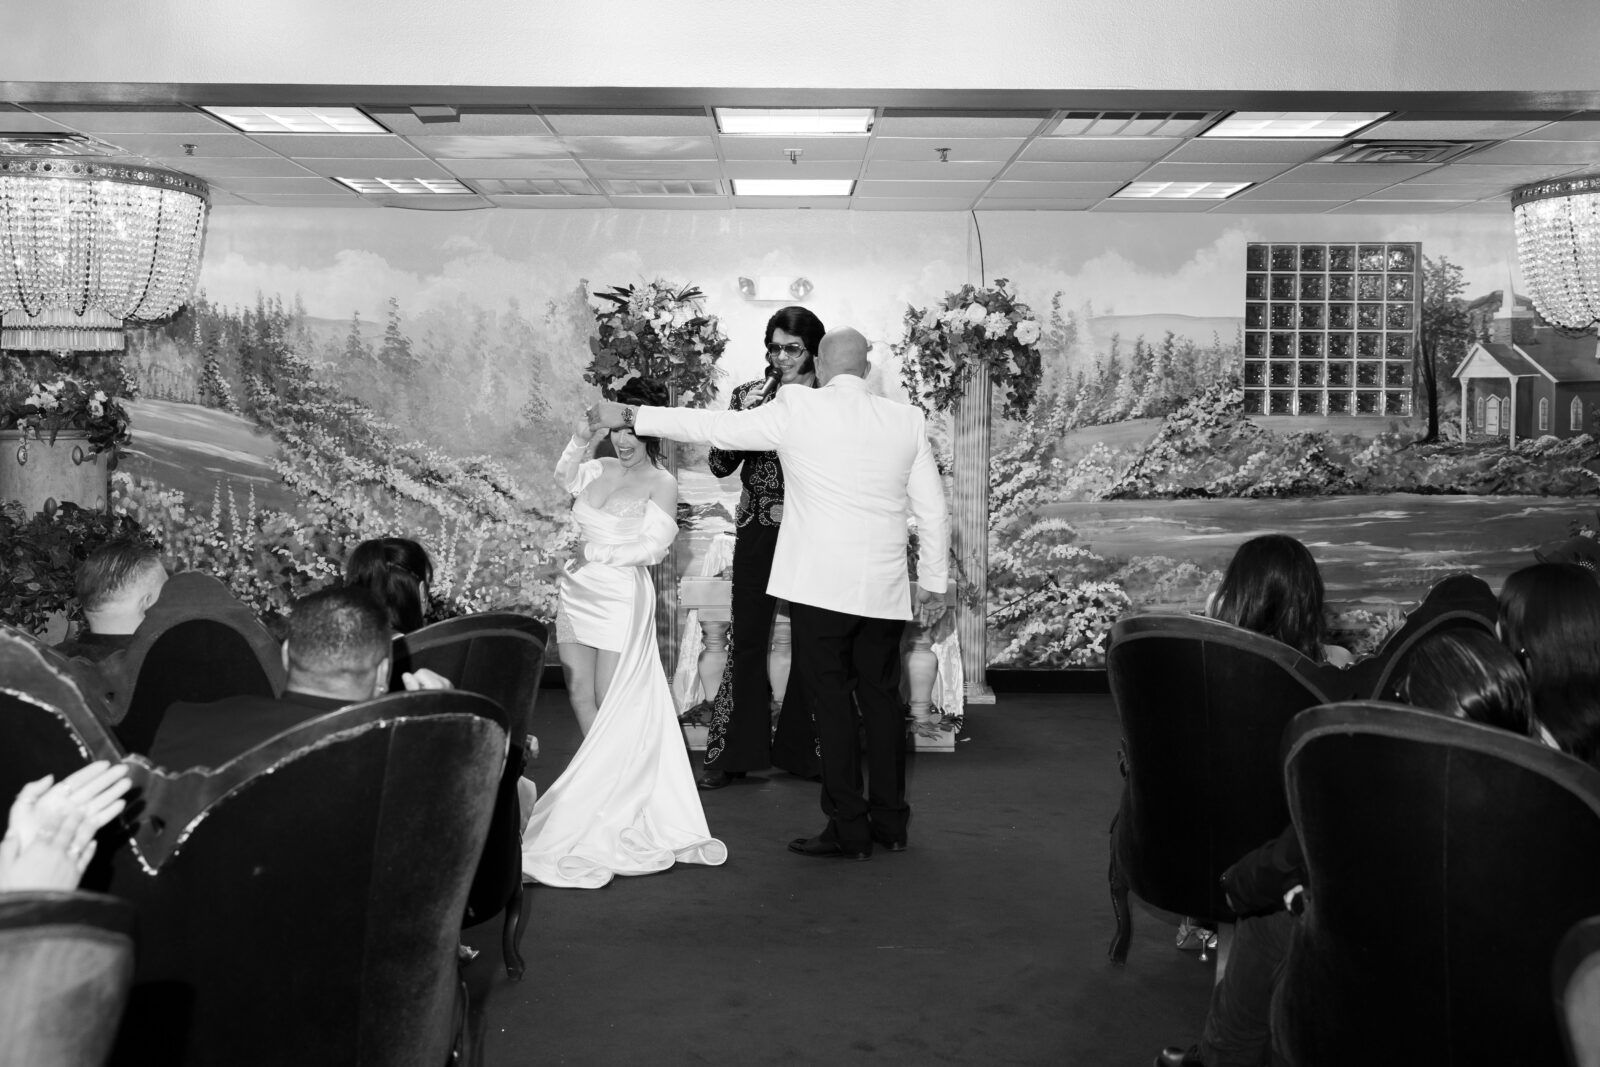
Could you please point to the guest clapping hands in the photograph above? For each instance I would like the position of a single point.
(50, 834)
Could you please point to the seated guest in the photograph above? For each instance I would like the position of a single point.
(337, 653)
(116, 585)
(1273, 587)
(1550, 620)
(1461, 672)
(50, 832)
(396, 571)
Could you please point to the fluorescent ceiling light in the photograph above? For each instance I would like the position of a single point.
(793, 186)
(1294, 123)
(804, 121)
(1179, 190)
(296, 119)
(445, 186)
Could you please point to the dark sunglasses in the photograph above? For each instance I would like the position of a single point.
(793, 351)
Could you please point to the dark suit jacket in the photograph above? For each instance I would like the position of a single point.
(209, 735)
(93, 647)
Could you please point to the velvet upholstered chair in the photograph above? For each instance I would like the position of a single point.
(66, 963)
(1203, 706)
(1459, 601)
(1445, 860)
(46, 724)
(302, 903)
(499, 655)
(196, 643)
(1575, 980)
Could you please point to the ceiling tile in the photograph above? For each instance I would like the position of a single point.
(429, 202)
(1250, 150)
(512, 168)
(15, 120)
(902, 122)
(337, 146)
(907, 203)
(133, 119)
(170, 146)
(1483, 207)
(962, 149)
(1073, 172)
(1281, 190)
(1503, 175)
(1572, 153)
(1053, 190)
(489, 146)
(1355, 173)
(1407, 128)
(889, 169)
(746, 146)
(1100, 149)
(292, 201)
(676, 122)
(740, 168)
(1422, 192)
(1002, 203)
(1394, 207)
(1586, 127)
(1236, 206)
(642, 147)
(416, 167)
(1210, 172)
(250, 187)
(950, 190)
(831, 203)
(660, 168)
(548, 202)
(674, 203)
(1178, 206)
(222, 198)
(244, 167)
(494, 121)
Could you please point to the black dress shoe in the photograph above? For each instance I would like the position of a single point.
(1173, 1056)
(718, 779)
(818, 846)
(893, 844)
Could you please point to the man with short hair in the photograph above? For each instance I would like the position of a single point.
(855, 467)
(116, 584)
(338, 653)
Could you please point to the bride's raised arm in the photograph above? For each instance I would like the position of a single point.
(577, 466)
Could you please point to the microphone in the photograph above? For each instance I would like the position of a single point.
(770, 386)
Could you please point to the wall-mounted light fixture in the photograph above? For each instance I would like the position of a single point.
(775, 290)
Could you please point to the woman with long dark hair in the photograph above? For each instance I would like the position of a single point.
(626, 804)
(740, 738)
(1550, 620)
(397, 572)
(1273, 587)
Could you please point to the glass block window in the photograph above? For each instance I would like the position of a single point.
(1330, 329)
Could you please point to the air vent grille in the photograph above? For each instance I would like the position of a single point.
(535, 186)
(53, 144)
(667, 187)
(1129, 123)
(1399, 151)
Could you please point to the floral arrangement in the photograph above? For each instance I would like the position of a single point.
(656, 331)
(943, 343)
(65, 397)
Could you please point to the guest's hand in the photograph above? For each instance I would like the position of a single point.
(50, 834)
(608, 414)
(423, 678)
(928, 609)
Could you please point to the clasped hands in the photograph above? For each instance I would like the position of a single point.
(605, 415)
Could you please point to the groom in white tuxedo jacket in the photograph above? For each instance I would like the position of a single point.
(855, 466)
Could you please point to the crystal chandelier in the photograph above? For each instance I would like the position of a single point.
(1558, 245)
(87, 246)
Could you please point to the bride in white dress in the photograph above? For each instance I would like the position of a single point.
(627, 803)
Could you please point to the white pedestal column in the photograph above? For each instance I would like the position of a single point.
(970, 530)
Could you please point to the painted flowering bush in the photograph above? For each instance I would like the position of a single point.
(657, 331)
(944, 342)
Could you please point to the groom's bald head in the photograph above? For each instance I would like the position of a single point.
(842, 351)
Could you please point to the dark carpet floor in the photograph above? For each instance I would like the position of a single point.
(983, 943)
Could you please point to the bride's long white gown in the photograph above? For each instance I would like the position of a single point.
(627, 803)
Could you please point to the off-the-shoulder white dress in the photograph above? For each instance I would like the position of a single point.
(627, 803)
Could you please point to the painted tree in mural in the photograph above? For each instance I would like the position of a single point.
(1442, 338)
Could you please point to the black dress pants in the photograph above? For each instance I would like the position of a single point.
(740, 737)
(851, 667)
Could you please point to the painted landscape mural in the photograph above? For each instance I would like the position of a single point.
(351, 373)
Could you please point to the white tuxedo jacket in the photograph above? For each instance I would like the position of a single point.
(854, 466)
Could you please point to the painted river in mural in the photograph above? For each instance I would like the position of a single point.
(1374, 549)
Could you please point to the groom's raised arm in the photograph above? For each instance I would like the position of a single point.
(757, 430)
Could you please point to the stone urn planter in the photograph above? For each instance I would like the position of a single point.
(34, 470)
